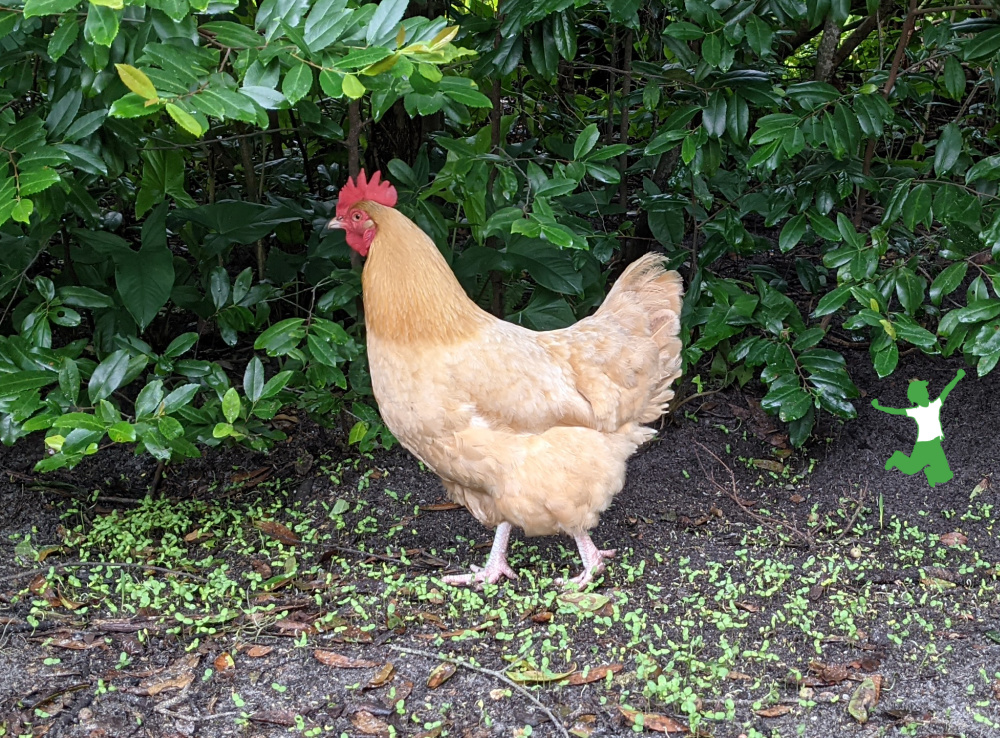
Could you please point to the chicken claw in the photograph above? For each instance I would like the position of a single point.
(593, 562)
(496, 566)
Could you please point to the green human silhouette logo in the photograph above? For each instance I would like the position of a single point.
(928, 455)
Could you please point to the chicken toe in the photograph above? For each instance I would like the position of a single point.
(496, 565)
(593, 562)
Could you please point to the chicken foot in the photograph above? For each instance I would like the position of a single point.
(496, 565)
(593, 561)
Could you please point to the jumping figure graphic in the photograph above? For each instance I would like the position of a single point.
(928, 455)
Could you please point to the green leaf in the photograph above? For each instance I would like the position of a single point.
(180, 397)
(185, 120)
(385, 22)
(145, 278)
(275, 384)
(322, 352)
(792, 233)
(170, 428)
(181, 345)
(358, 432)
(982, 45)
(137, 81)
(231, 404)
(64, 36)
(464, 90)
(69, 379)
(949, 148)
(760, 36)
(281, 337)
(297, 83)
(585, 141)
(683, 31)
(353, 87)
(122, 432)
(33, 8)
(253, 379)
(713, 118)
(108, 376)
(101, 26)
(361, 58)
(832, 301)
(954, 78)
(149, 399)
(917, 208)
(947, 281)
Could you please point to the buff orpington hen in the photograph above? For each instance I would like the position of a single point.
(526, 429)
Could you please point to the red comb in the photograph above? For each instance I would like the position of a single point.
(374, 190)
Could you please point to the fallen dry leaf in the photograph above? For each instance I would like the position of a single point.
(277, 531)
(775, 711)
(432, 733)
(284, 718)
(797, 499)
(76, 644)
(829, 673)
(382, 677)
(224, 662)
(253, 478)
(533, 676)
(748, 607)
(541, 617)
(197, 536)
(768, 465)
(441, 673)
(154, 687)
(45, 551)
(865, 698)
(369, 724)
(652, 721)
(587, 601)
(954, 539)
(592, 675)
(295, 627)
(399, 691)
(338, 661)
(738, 675)
(584, 726)
(257, 651)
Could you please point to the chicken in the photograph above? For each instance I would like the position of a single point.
(526, 429)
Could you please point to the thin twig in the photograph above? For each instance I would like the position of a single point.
(731, 492)
(86, 564)
(490, 673)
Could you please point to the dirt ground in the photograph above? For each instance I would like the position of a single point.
(809, 594)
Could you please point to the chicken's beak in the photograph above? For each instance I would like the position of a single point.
(335, 224)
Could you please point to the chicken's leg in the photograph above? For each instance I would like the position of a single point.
(496, 565)
(593, 561)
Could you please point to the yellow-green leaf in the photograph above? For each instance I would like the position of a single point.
(381, 66)
(137, 81)
(113, 4)
(23, 210)
(444, 37)
(353, 87)
(184, 119)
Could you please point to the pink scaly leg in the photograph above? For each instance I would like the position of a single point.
(496, 565)
(593, 561)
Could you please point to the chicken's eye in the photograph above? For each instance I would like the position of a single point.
(356, 216)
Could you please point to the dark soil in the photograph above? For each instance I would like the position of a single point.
(762, 604)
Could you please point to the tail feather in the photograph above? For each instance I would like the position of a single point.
(659, 292)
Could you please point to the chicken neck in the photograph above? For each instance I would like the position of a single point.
(496, 565)
(410, 292)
